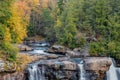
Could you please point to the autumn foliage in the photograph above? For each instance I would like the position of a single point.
(14, 19)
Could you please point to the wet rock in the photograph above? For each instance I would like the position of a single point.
(57, 49)
(63, 58)
(53, 70)
(52, 56)
(69, 65)
(39, 57)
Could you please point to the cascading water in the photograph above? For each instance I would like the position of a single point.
(39, 72)
(80, 63)
(36, 73)
(82, 71)
(112, 73)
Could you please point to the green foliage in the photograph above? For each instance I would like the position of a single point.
(93, 49)
(93, 18)
(9, 50)
(65, 26)
(81, 42)
(5, 12)
(2, 32)
(49, 33)
(98, 49)
(113, 49)
(6, 48)
(30, 30)
(60, 5)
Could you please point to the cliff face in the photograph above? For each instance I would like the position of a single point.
(57, 69)
(96, 67)
(97, 63)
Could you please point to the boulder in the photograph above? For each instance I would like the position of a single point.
(96, 67)
(57, 49)
(52, 56)
(97, 63)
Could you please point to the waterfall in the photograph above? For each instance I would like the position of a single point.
(81, 66)
(82, 71)
(38, 70)
(112, 73)
(36, 73)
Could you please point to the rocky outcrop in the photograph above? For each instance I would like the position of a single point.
(12, 76)
(6, 66)
(57, 49)
(22, 47)
(96, 67)
(8, 71)
(53, 70)
(78, 52)
(97, 63)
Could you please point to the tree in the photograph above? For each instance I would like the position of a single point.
(5, 37)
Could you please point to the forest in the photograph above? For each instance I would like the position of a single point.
(72, 23)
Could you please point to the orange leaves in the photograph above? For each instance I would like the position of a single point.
(24, 9)
(18, 22)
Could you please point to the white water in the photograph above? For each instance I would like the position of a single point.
(36, 73)
(82, 71)
(37, 51)
(112, 73)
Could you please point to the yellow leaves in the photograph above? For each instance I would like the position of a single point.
(18, 21)
(36, 2)
(58, 23)
(7, 36)
(22, 60)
